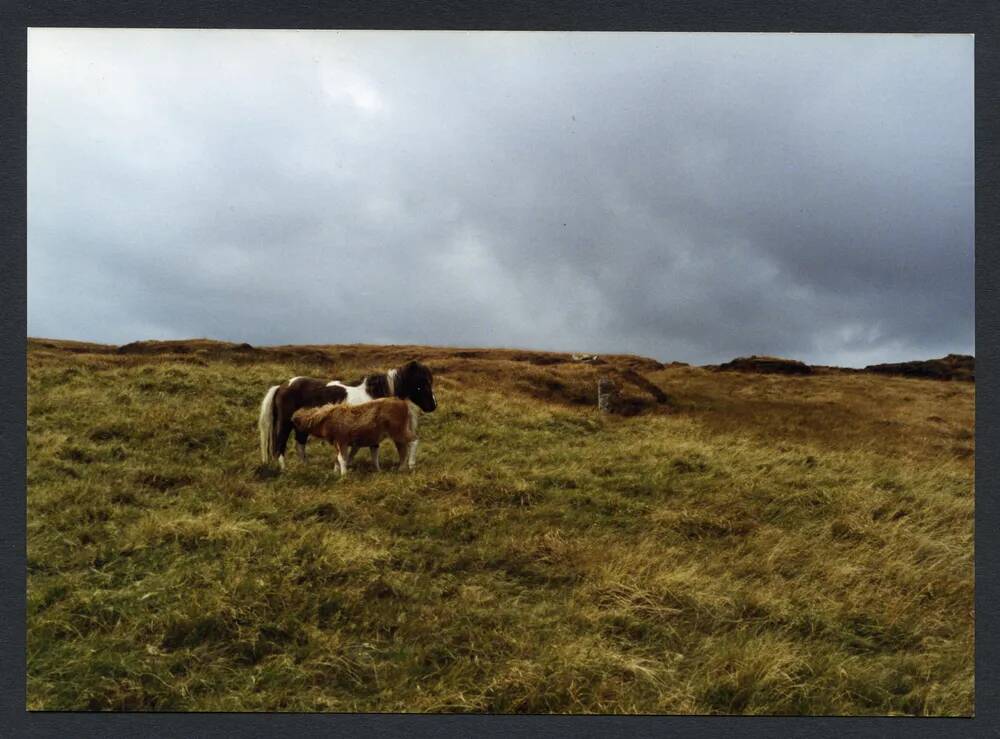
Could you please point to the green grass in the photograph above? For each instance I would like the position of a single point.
(772, 545)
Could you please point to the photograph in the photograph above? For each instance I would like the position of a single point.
(500, 372)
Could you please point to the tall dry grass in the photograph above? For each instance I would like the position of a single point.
(765, 545)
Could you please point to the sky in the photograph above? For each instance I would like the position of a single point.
(690, 197)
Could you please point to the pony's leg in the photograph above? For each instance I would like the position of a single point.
(300, 440)
(402, 450)
(374, 450)
(342, 461)
(284, 431)
(411, 457)
(300, 443)
(351, 452)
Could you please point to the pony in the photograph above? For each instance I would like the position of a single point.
(351, 426)
(413, 381)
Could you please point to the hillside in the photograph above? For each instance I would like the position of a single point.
(745, 543)
(950, 367)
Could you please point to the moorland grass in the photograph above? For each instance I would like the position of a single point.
(765, 545)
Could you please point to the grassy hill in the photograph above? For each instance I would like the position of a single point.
(760, 544)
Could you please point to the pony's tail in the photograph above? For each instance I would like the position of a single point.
(266, 425)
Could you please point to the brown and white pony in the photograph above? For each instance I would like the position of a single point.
(413, 381)
(349, 427)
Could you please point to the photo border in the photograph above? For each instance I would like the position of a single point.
(979, 18)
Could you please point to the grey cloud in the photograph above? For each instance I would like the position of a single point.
(687, 197)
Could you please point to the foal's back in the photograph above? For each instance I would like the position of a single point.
(368, 423)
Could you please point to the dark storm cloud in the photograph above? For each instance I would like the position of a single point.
(688, 197)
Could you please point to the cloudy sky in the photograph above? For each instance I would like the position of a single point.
(689, 197)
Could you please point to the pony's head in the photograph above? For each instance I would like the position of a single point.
(415, 382)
